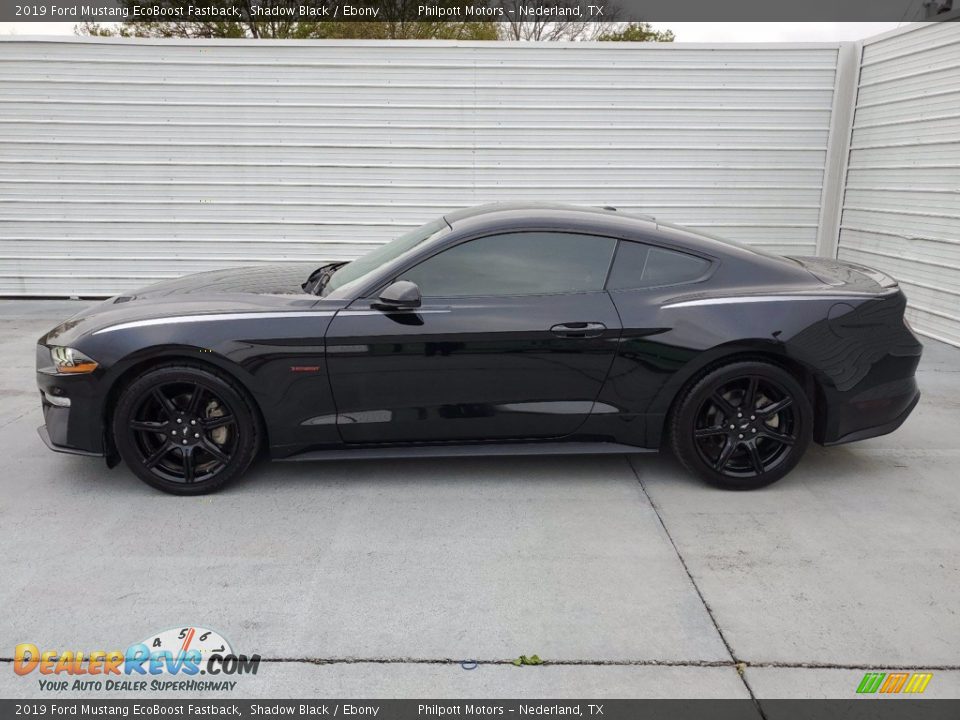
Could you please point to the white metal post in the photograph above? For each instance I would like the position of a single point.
(838, 147)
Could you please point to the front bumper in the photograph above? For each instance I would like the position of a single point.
(45, 436)
(75, 429)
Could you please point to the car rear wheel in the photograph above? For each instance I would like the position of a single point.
(742, 426)
(185, 430)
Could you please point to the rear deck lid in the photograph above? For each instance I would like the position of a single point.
(846, 275)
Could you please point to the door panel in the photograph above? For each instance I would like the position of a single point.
(470, 369)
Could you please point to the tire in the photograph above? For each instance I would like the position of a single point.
(185, 430)
(742, 426)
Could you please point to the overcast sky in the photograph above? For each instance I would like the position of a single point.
(685, 32)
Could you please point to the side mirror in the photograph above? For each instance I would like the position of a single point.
(401, 295)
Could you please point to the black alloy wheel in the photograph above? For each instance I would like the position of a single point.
(185, 430)
(742, 426)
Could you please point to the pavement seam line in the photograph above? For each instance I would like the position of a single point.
(738, 663)
(18, 417)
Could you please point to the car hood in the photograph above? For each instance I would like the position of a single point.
(253, 289)
(260, 280)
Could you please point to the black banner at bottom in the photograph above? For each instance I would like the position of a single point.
(872, 709)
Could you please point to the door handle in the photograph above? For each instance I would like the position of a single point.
(578, 329)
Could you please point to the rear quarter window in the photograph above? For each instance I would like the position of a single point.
(638, 266)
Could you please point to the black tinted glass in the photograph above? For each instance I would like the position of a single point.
(639, 266)
(529, 263)
(365, 264)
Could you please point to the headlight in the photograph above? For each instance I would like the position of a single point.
(71, 362)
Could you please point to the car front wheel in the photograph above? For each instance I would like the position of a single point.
(185, 430)
(742, 426)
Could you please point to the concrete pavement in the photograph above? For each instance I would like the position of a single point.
(376, 579)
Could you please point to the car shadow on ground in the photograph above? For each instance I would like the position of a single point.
(819, 466)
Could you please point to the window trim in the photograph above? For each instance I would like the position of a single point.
(375, 292)
(712, 264)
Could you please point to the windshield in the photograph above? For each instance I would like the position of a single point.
(382, 255)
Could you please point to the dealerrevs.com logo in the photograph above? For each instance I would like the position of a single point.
(179, 659)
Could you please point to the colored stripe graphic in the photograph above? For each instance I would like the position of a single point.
(918, 683)
(894, 683)
(870, 682)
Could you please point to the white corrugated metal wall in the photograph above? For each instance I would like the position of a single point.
(122, 162)
(901, 209)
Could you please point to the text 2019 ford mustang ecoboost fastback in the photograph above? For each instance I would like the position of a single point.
(498, 330)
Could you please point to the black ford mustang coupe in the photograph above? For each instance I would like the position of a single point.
(497, 330)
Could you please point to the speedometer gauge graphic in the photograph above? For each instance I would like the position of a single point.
(184, 639)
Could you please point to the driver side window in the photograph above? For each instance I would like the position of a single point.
(522, 263)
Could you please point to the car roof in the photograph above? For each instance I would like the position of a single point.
(534, 208)
(512, 217)
(521, 214)
(507, 217)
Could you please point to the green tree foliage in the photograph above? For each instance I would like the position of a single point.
(637, 32)
(333, 30)
(393, 26)
(392, 23)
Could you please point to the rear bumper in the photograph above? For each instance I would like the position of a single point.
(870, 413)
(906, 402)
